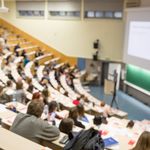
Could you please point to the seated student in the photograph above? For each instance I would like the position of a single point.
(2, 96)
(8, 91)
(32, 127)
(66, 125)
(37, 96)
(73, 114)
(52, 107)
(36, 65)
(46, 96)
(106, 109)
(6, 67)
(26, 60)
(130, 124)
(39, 53)
(44, 82)
(143, 142)
(15, 49)
(82, 116)
(20, 68)
(23, 54)
(30, 85)
(19, 94)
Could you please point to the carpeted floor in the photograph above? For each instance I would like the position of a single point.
(135, 109)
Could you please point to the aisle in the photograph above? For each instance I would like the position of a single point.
(135, 109)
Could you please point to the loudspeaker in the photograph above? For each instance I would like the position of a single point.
(95, 45)
(95, 57)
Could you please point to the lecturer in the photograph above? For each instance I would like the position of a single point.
(115, 75)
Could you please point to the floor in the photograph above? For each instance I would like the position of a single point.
(136, 110)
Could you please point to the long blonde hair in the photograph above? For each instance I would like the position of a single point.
(143, 142)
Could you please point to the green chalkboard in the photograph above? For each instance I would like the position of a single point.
(138, 76)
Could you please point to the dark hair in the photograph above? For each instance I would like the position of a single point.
(52, 106)
(80, 109)
(35, 108)
(9, 83)
(73, 113)
(130, 124)
(98, 120)
(66, 125)
(143, 142)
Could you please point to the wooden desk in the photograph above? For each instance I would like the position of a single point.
(16, 142)
(55, 145)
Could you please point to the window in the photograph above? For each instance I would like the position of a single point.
(108, 14)
(65, 13)
(31, 13)
(99, 9)
(118, 14)
(69, 9)
(99, 14)
(30, 9)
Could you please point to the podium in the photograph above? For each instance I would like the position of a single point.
(109, 87)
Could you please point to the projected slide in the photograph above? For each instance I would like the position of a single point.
(139, 39)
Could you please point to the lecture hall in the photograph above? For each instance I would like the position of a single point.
(74, 74)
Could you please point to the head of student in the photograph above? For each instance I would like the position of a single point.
(66, 125)
(73, 113)
(102, 104)
(9, 83)
(143, 142)
(19, 85)
(80, 109)
(52, 106)
(35, 108)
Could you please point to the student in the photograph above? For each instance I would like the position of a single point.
(8, 91)
(82, 116)
(20, 68)
(39, 53)
(26, 60)
(143, 142)
(23, 54)
(30, 85)
(106, 109)
(36, 65)
(66, 125)
(32, 127)
(15, 49)
(46, 96)
(19, 94)
(36, 96)
(73, 114)
(52, 107)
(2, 97)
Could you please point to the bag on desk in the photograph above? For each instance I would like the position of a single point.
(86, 140)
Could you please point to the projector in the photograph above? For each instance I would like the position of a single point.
(4, 9)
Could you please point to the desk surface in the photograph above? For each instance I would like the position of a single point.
(16, 142)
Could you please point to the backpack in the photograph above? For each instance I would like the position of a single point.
(86, 140)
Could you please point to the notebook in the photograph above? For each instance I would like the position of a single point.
(110, 141)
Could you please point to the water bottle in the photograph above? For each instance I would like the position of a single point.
(14, 102)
